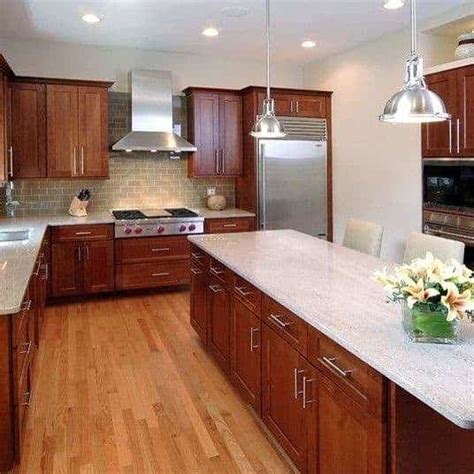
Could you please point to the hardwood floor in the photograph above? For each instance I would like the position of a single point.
(123, 385)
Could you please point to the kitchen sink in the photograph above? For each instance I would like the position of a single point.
(14, 235)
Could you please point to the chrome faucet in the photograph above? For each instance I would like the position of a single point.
(11, 205)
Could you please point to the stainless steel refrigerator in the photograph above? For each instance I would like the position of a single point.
(293, 178)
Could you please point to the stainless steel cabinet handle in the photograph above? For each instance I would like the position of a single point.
(27, 395)
(197, 255)
(28, 348)
(229, 225)
(329, 362)
(216, 271)
(74, 162)
(196, 271)
(458, 128)
(222, 161)
(298, 392)
(79, 254)
(291, 106)
(82, 160)
(216, 158)
(215, 289)
(242, 292)
(252, 342)
(26, 306)
(46, 272)
(450, 124)
(83, 233)
(306, 381)
(10, 155)
(86, 248)
(297, 106)
(164, 249)
(161, 274)
(277, 319)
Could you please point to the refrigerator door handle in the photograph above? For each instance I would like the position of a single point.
(263, 196)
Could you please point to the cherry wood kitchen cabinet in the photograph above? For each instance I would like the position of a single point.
(215, 127)
(453, 138)
(27, 144)
(5, 74)
(198, 302)
(82, 260)
(77, 131)
(229, 224)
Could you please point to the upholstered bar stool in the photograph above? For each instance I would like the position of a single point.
(444, 249)
(365, 237)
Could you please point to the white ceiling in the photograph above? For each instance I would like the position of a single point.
(175, 25)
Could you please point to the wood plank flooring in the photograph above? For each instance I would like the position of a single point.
(122, 384)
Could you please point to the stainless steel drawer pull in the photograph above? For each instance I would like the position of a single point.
(277, 319)
(197, 255)
(165, 249)
(242, 292)
(253, 346)
(46, 272)
(28, 348)
(196, 271)
(216, 289)
(83, 233)
(296, 373)
(10, 153)
(161, 274)
(216, 271)
(230, 225)
(26, 306)
(306, 381)
(27, 396)
(329, 362)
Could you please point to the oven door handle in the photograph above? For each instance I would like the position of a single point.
(440, 232)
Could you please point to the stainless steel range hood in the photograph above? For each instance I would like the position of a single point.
(152, 115)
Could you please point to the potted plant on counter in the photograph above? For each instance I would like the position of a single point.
(434, 297)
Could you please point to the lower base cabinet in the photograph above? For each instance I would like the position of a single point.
(198, 301)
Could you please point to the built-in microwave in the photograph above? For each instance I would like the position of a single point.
(449, 183)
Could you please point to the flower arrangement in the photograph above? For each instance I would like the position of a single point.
(434, 294)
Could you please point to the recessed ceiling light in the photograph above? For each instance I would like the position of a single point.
(308, 44)
(210, 31)
(393, 4)
(91, 18)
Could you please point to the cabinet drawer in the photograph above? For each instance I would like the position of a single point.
(82, 232)
(151, 274)
(20, 324)
(220, 272)
(219, 226)
(151, 249)
(199, 257)
(293, 329)
(248, 295)
(358, 380)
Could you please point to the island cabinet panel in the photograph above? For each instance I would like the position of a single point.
(199, 300)
(246, 353)
(28, 130)
(218, 313)
(288, 398)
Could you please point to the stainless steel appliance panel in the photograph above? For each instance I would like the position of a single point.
(293, 185)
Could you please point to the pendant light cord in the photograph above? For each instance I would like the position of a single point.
(268, 46)
(413, 27)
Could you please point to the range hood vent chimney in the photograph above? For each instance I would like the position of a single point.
(152, 115)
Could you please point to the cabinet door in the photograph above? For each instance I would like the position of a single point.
(310, 106)
(283, 412)
(205, 124)
(93, 155)
(231, 140)
(439, 139)
(63, 131)
(466, 111)
(246, 353)
(346, 438)
(284, 104)
(218, 302)
(66, 269)
(3, 127)
(28, 130)
(98, 261)
(198, 301)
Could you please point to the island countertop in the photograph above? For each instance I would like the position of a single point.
(330, 287)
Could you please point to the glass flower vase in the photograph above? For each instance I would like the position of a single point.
(428, 323)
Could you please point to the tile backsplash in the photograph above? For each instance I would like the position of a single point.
(138, 179)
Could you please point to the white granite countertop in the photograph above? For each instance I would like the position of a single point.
(225, 214)
(329, 286)
(17, 259)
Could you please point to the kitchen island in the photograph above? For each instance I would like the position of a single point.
(401, 406)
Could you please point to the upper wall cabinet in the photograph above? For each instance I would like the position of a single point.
(5, 74)
(215, 127)
(77, 131)
(453, 138)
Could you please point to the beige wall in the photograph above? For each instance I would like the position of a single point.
(377, 166)
(38, 58)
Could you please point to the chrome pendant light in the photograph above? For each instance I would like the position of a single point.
(267, 125)
(414, 103)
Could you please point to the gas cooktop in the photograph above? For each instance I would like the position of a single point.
(135, 214)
